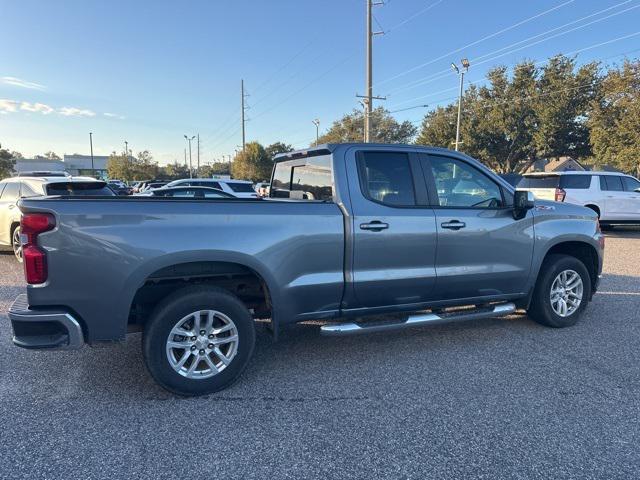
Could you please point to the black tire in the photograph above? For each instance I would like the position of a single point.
(17, 248)
(178, 305)
(540, 309)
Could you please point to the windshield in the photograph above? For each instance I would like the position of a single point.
(79, 188)
(241, 187)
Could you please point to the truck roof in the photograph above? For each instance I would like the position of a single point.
(328, 148)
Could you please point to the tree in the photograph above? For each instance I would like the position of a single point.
(7, 163)
(500, 119)
(438, 127)
(563, 100)
(253, 164)
(216, 168)
(615, 120)
(384, 128)
(126, 167)
(276, 148)
(175, 171)
(51, 156)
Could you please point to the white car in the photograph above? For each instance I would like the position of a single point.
(237, 188)
(13, 189)
(615, 197)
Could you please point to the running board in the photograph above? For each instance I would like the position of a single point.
(351, 328)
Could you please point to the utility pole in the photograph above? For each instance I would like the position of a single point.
(369, 97)
(91, 146)
(242, 109)
(316, 122)
(460, 72)
(126, 149)
(198, 154)
(190, 164)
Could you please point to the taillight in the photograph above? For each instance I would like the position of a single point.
(34, 258)
(560, 194)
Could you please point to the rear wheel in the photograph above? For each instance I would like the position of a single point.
(198, 341)
(561, 293)
(16, 244)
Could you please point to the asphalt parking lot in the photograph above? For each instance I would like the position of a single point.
(499, 398)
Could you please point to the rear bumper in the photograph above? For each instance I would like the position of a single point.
(46, 328)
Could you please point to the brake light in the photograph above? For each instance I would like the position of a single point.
(34, 258)
(560, 194)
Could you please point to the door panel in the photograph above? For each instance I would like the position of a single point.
(482, 250)
(394, 231)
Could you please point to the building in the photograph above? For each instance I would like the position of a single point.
(38, 164)
(81, 165)
(560, 164)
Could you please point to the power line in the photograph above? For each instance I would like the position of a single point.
(477, 61)
(417, 14)
(574, 52)
(499, 32)
(489, 103)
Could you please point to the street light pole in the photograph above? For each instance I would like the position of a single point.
(190, 166)
(91, 146)
(460, 72)
(316, 122)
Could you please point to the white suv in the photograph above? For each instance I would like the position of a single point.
(237, 188)
(615, 197)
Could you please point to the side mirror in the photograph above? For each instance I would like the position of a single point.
(522, 201)
(637, 190)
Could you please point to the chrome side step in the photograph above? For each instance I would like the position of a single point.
(351, 328)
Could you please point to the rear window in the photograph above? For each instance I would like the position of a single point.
(575, 181)
(539, 181)
(241, 187)
(305, 178)
(79, 188)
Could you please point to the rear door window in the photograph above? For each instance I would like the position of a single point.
(385, 177)
(241, 187)
(578, 182)
(611, 183)
(630, 184)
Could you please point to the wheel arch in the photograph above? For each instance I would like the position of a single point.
(244, 277)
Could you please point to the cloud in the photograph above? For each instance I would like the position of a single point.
(8, 106)
(113, 115)
(75, 112)
(17, 82)
(36, 107)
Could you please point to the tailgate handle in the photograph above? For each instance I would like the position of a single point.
(374, 226)
(453, 225)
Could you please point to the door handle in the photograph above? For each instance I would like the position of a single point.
(453, 225)
(374, 226)
(12, 206)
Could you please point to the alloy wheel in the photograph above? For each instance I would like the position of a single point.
(566, 293)
(202, 344)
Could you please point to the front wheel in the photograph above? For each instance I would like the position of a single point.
(561, 293)
(198, 340)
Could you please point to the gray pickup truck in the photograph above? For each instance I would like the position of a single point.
(349, 231)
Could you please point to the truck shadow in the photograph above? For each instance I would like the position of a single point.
(305, 366)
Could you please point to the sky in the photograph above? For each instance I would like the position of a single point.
(149, 72)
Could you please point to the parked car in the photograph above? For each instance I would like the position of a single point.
(119, 187)
(349, 231)
(12, 189)
(152, 185)
(615, 197)
(262, 189)
(237, 188)
(187, 192)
